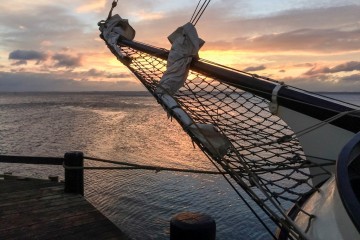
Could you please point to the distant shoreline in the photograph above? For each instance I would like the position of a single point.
(122, 93)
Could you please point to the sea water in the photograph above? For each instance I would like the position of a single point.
(129, 128)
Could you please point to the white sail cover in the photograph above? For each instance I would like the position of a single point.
(114, 28)
(185, 45)
(216, 143)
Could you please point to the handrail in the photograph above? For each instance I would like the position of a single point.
(348, 178)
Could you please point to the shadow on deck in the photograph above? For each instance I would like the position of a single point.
(39, 209)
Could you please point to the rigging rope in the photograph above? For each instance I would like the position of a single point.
(198, 14)
(191, 19)
(133, 166)
(243, 199)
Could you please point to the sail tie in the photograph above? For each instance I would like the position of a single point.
(113, 5)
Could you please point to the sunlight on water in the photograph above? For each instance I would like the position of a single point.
(130, 129)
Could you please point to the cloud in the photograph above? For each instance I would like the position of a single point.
(57, 60)
(301, 40)
(104, 74)
(324, 41)
(95, 73)
(119, 75)
(355, 78)
(255, 68)
(67, 61)
(26, 81)
(146, 15)
(44, 23)
(25, 55)
(345, 67)
(317, 83)
(48, 27)
(323, 30)
(19, 63)
(303, 65)
(230, 23)
(93, 5)
(325, 82)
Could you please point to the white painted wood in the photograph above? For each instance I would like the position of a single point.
(324, 142)
(332, 220)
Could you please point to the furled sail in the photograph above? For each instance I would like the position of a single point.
(115, 28)
(185, 45)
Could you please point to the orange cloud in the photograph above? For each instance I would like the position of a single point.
(92, 6)
(143, 15)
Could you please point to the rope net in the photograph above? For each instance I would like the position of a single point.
(263, 159)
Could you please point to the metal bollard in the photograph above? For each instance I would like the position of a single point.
(192, 226)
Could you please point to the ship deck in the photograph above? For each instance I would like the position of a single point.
(39, 209)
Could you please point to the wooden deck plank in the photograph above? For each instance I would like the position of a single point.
(30, 197)
(41, 210)
(13, 185)
(44, 200)
(43, 205)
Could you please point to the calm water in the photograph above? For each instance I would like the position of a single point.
(125, 128)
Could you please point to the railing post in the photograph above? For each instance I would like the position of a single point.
(74, 178)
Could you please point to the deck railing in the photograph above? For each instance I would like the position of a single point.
(74, 178)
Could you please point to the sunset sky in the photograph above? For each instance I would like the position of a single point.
(54, 45)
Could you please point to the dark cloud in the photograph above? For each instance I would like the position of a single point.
(25, 81)
(25, 55)
(308, 40)
(230, 23)
(19, 63)
(223, 28)
(119, 75)
(255, 68)
(97, 73)
(345, 67)
(302, 40)
(355, 78)
(67, 61)
(315, 70)
(30, 26)
(325, 82)
(323, 30)
(317, 83)
(282, 71)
